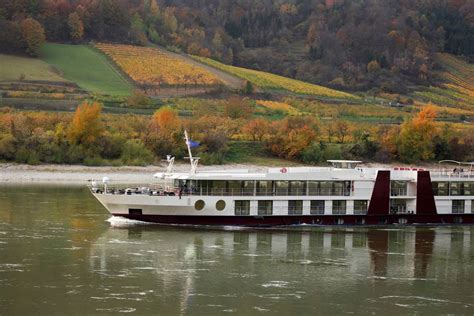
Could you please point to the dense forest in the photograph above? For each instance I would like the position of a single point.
(379, 45)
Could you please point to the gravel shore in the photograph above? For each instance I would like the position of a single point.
(80, 175)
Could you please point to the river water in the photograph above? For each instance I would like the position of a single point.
(61, 253)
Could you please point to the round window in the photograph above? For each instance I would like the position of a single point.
(199, 205)
(220, 205)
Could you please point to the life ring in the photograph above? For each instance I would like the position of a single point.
(283, 170)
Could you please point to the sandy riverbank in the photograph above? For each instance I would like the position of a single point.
(79, 175)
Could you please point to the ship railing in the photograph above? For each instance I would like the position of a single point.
(398, 192)
(302, 192)
(456, 173)
(330, 192)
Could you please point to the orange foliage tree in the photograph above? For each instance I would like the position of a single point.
(85, 127)
(163, 135)
(416, 136)
(256, 129)
(288, 138)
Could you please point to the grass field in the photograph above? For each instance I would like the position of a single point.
(271, 81)
(12, 67)
(88, 68)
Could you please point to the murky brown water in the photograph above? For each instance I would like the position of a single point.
(60, 255)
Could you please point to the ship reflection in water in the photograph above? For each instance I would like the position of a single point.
(317, 270)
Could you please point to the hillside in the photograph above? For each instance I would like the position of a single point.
(18, 68)
(272, 82)
(87, 68)
(455, 86)
(162, 73)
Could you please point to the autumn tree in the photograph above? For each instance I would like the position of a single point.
(342, 130)
(76, 27)
(85, 127)
(416, 136)
(164, 135)
(33, 33)
(256, 129)
(288, 138)
(236, 107)
(165, 120)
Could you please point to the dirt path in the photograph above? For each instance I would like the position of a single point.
(228, 79)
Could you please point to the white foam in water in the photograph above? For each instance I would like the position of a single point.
(118, 221)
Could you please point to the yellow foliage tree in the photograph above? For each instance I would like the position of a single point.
(165, 120)
(85, 127)
(416, 136)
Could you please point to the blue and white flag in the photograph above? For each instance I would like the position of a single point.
(193, 143)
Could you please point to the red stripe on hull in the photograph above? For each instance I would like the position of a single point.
(255, 221)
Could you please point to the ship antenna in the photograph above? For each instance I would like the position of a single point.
(192, 160)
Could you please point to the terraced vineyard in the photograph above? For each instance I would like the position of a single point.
(457, 89)
(271, 81)
(151, 66)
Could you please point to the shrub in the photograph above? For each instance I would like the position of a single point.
(135, 153)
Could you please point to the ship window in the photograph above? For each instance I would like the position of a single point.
(317, 207)
(360, 207)
(218, 187)
(220, 205)
(398, 188)
(458, 206)
(295, 207)
(265, 207)
(440, 188)
(454, 188)
(264, 188)
(467, 188)
(234, 187)
(325, 188)
(199, 205)
(398, 206)
(297, 188)
(281, 187)
(338, 207)
(242, 207)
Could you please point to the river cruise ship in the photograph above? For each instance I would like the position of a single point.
(343, 194)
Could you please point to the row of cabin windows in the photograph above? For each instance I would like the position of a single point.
(296, 207)
(453, 188)
(317, 207)
(459, 206)
(262, 188)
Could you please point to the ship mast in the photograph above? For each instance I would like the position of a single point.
(192, 160)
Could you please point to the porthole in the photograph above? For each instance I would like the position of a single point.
(339, 221)
(199, 205)
(220, 205)
(457, 220)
